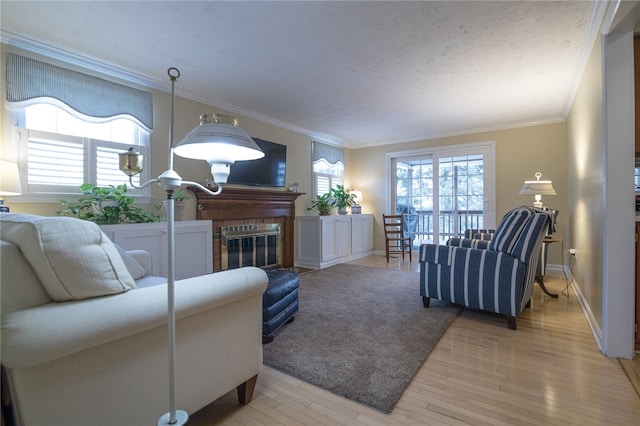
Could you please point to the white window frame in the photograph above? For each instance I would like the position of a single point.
(34, 193)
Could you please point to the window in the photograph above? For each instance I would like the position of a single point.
(59, 151)
(71, 126)
(327, 166)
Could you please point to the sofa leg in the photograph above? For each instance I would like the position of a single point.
(245, 390)
(511, 322)
(425, 301)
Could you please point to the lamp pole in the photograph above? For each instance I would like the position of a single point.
(220, 142)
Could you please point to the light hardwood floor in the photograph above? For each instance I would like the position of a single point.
(548, 372)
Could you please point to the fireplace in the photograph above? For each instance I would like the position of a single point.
(238, 209)
(251, 245)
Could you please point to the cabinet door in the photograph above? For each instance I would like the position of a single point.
(357, 234)
(151, 239)
(193, 250)
(367, 232)
(343, 236)
(329, 238)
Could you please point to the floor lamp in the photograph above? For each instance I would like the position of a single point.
(219, 141)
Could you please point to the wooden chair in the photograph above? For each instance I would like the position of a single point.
(396, 242)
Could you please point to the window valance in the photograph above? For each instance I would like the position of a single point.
(29, 79)
(332, 154)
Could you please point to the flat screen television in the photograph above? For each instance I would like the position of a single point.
(269, 170)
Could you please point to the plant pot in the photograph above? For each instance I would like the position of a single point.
(324, 211)
(178, 210)
(342, 210)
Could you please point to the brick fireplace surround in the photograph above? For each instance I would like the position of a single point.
(247, 206)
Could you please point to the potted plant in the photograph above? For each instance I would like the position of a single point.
(342, 199)
(179, 197)
(106, 206)
(323, 204)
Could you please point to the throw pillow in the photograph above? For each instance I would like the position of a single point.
(73, 258)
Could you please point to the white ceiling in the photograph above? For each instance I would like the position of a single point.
(354, 73)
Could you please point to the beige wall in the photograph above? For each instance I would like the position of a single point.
(519, 154)
(586, 177)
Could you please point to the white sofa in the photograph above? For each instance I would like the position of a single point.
(102, 359)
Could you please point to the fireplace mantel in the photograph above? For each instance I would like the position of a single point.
(236, 206)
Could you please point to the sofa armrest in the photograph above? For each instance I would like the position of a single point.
(43, 333)
(143, 257)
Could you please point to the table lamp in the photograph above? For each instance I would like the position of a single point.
(537, 188)
(9, 182)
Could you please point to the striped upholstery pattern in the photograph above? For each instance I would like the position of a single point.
(509, 229)
(495, 275)
(479, 234)
(468, 242)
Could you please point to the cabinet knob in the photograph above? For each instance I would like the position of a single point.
(200, 207)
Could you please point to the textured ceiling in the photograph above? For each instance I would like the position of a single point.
(354, 73)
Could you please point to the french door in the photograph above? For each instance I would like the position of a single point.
(443, 191)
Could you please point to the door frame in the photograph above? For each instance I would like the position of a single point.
(489, 215)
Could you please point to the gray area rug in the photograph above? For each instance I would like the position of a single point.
(360, 333)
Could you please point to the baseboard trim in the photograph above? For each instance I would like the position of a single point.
(588, 314)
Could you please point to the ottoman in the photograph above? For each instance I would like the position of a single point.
(279, 302)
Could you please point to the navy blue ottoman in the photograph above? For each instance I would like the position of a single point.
(279, 302)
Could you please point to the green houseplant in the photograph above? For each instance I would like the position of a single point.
(323, 204)
(342, 199)
(106, 206)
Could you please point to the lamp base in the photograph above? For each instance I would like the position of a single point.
(181, 419)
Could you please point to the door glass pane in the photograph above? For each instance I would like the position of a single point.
(452, 192)
(461, 195)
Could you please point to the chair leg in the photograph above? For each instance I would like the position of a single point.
(511, 322)
(425, 301)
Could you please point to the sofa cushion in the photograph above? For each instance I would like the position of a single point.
(73, 258)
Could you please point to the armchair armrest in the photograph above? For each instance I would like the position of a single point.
(469, 242)
(47, 332)
(143, 257)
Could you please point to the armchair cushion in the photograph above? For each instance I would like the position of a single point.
(73, 258)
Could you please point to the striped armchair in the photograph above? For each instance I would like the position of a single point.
(495, 275)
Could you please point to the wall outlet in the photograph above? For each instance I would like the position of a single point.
(573, 252)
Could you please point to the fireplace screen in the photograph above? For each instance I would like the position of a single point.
(251, 245)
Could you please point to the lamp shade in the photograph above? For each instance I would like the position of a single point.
(9, 178)
(218, 139)
(358, 195)
(537, 187)
(532, 187)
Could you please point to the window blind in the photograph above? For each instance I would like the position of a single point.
(29, 79)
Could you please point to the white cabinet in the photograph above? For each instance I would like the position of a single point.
(323, 241)
(193, 244)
